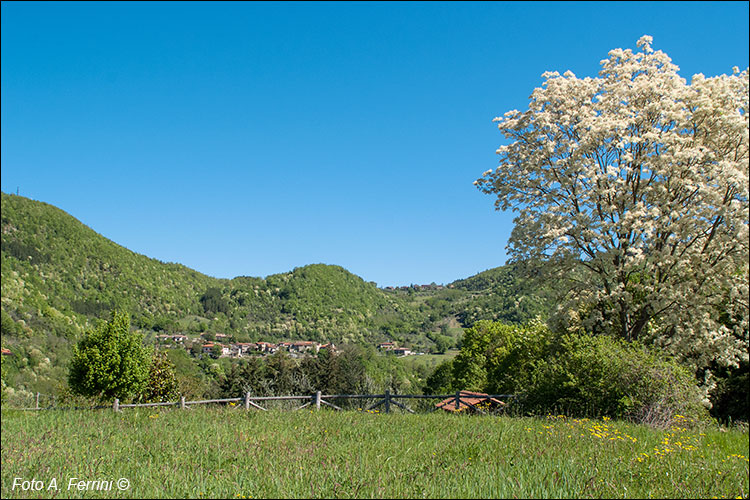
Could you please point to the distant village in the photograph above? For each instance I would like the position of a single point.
(218, 349)
(431, 286)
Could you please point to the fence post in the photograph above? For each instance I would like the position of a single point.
(247, 400)
(116, 405)
(458, 399)
(37, 400)
(387, 401)
(182, 402)
(317, 400)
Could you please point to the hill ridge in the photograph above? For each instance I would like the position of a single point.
(60, 277)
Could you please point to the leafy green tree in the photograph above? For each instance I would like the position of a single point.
(216, 350)
(162, 380)
(192, 382)
(470, 366)
(603, 375)
(442, 343)
(441, 380)
(248, 375)
(110, 361)
(4, 375)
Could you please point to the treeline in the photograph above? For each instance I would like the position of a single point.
(112, 361)
(353, 370)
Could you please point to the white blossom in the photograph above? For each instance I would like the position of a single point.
(633, 187)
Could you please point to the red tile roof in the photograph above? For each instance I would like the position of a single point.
(466, 399)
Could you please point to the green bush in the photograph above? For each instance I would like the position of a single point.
(577, 374)
(603, 376)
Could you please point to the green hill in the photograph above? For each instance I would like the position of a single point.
(59, 275)
(53, 265)
(315, 302)
(59, 278)
(502, 294)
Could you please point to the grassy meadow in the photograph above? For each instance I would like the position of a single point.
(231, 453)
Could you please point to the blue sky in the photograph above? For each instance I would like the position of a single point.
(251, 138)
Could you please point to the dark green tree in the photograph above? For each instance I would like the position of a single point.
(196, 349)
(213, 301)
(351, 365)
(281, 371)
(331, 378)
(162, 380)
(441, 380)
(730, 396)
(248, 375)
(312, 368)
(216, 350)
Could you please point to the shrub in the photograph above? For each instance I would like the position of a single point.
(579, 374)
(603, 376)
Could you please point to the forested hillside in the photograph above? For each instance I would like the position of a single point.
(59, 278)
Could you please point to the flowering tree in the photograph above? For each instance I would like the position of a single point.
(632, 188)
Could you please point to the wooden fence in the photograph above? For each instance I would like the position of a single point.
(315, 400)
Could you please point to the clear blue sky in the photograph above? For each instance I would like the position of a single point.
(250, 138)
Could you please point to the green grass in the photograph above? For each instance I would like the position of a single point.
(428, 360)
(230, 453)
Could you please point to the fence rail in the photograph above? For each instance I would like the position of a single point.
(387, 400)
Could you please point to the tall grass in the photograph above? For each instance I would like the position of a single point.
(231, 453)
